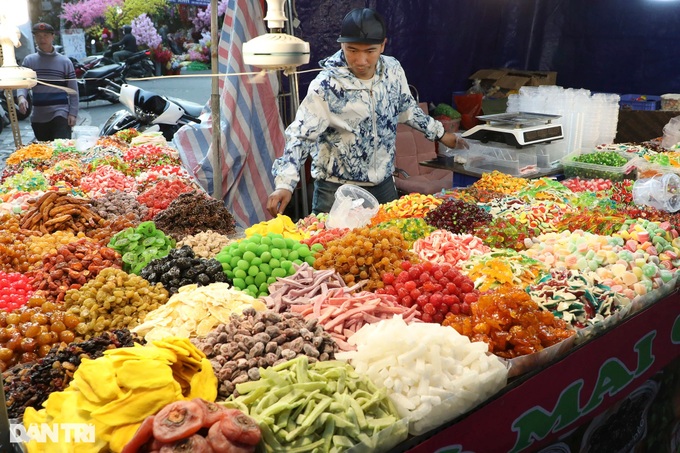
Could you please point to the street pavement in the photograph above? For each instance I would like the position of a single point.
(194, 89)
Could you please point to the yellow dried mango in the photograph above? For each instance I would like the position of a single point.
(136, 405)
(156, 374)
(121, 435)
(97, 380)
(204, 383)
(117, 391)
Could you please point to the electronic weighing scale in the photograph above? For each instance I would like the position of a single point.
(516, 129)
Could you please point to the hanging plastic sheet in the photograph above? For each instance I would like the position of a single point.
(251, 127)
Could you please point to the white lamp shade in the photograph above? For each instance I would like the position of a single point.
(276, 51)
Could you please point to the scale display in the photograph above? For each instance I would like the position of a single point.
(516, 129)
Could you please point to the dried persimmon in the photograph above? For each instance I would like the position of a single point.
(240, 428)
(178, 420)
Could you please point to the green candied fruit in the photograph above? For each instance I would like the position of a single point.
(605, 158)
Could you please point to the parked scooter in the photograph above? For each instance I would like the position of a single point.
(148, 111)
(93, 80)
(4, 110)
(138, 65)
(87, 63)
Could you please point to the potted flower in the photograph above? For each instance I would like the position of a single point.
(162, 56)
(173, 66)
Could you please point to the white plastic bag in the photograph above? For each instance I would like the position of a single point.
(671, 133)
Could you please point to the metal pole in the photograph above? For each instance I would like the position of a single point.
(294, 104)
(14, 120)
(215, 106)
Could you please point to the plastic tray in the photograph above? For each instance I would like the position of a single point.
(384, 440)
(483, 158)
(640, 102)
(583, 170)
(549, 156)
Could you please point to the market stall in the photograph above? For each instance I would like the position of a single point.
(511, 315)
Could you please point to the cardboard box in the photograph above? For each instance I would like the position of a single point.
(513, 79)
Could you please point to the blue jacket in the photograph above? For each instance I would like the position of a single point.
(349, 127)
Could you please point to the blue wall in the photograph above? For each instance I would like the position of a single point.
(622, 46)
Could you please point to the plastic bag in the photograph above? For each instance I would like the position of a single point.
(354, 207)
(671, 133)
(469, 106)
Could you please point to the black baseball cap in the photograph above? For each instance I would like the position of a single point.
(43, 27)
(363, 25)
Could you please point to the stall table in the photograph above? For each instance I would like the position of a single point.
(554, 405)
(463, 177)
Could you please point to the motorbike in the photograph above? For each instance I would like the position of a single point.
(93, 80)
(87, 63)
(4, 109)
(148, 111)
(137, 65)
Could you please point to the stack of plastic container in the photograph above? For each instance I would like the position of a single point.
(587, 119)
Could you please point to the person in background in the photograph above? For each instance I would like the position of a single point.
(128, 44)
(348, 121)
(54, 110)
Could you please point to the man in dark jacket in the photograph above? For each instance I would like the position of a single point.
(54, 110)
(128, 45)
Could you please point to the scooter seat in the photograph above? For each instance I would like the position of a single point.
(192, 108)
(101, 71)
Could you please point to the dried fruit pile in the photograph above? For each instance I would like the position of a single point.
(197, 426)
(260, 320)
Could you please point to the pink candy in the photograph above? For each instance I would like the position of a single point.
(107, 178)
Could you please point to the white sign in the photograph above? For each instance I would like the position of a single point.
(74, 43)
(57, 433)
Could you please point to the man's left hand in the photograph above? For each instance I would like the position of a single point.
(71, 120)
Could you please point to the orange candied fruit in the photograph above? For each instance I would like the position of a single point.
(510, 322)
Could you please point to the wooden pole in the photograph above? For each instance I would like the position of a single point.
(215, 105)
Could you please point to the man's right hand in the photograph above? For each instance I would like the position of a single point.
(278, 200)
(23, 105)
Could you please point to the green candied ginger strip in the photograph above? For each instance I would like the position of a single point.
(301, 374)
(276, 379)
(377, 424)
(270, 443)
(338, 421)
(289, 402)
(366, 440)
(254, 395)
(310, 447)
(304, 387)
(309, 419)
(307, 404)
(361, 418)
(289, 364)
(327, 435)
(342, 441)
(250, 386)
